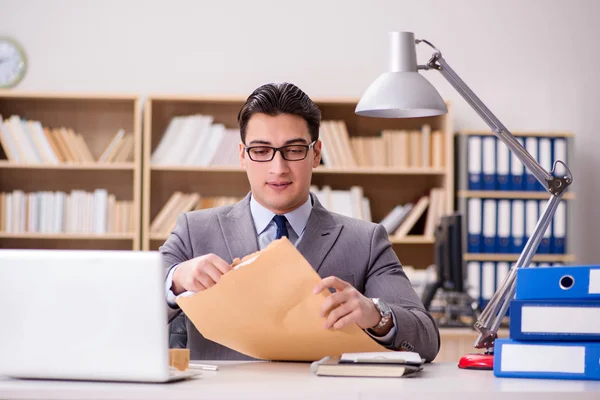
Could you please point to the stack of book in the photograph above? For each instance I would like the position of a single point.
(28, 142)
(401, 221)
(554, 325)
(351, 203)
(391, 148)
(374, 364)
(79, 211)
(196, 140)
(180, 202)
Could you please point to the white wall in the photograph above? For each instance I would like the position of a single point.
(533, 62)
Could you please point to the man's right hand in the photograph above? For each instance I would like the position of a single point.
(199, 273)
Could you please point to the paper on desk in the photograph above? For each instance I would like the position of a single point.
(266, 309)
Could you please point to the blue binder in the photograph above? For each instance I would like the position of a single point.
(489, 166)
(503, 166)
(549, 360)
(573, 282)
(474, 225)
(516, 170)
(554, 320)
(545, 243)
(474, 155)
(530, 181)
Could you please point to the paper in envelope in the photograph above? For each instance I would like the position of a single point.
(265, 308)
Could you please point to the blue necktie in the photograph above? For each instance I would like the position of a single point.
(280, 221)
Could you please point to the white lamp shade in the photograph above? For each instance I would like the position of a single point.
(402, 92)
(401, 95)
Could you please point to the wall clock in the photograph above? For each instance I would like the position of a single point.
(13, 63)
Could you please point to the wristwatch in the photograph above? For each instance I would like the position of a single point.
(384, 310)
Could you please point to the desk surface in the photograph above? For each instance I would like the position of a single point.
(276, 380)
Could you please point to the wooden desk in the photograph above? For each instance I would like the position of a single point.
(266, 380)
(456, 342)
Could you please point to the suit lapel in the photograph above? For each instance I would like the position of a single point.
(238, 230)
(319, 236)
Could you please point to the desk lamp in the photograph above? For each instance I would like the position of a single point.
(404, 93)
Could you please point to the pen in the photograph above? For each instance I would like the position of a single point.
(204, 367)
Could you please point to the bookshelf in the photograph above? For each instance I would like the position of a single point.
(502, 204)
(384, 186)
(93, 122)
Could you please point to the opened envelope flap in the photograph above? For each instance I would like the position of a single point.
(238, 230)
(266, 309)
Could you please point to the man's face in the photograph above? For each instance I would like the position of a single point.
(279, 185)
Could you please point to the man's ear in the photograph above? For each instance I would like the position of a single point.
(242, 156)
(317, 150)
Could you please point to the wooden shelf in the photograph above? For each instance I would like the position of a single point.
(562, 258)
(68, 236)
(97, 117)
(497, 194)
(518, 133)
(385, 187)
(320, 170)
(412, 240)
(91, 167)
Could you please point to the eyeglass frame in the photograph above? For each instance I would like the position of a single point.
(278, 149)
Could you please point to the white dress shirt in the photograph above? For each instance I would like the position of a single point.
(266, 229)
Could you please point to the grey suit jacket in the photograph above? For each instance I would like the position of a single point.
(356, 251)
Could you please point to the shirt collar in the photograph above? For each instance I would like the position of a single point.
(297, 218)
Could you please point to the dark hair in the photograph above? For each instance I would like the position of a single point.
(280, 98)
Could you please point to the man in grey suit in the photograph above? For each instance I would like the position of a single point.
(279, 126)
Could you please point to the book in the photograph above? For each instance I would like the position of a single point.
(396, 357)
(572, 282)
(333, 366)
(556, 320)
(549, 360)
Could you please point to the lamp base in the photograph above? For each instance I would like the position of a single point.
(480, 361)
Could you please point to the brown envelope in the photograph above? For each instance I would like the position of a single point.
(266, 309)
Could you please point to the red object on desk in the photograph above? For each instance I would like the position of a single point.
(482, 361)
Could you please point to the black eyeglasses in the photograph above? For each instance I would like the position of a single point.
(292, 152)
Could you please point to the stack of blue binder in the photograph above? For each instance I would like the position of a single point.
(554, 325)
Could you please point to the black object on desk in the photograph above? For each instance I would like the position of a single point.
(449, 285)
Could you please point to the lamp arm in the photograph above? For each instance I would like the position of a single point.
(490, 319)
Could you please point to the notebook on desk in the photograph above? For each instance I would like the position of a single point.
(84, 315)
(374, 364)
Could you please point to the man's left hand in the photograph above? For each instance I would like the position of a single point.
(346, 306)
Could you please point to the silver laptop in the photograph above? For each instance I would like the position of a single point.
(84, 315)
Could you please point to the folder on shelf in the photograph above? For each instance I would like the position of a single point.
(531, 145)
(488, 280)
(531, 217)
(503, 236)
(516, 171)
(503, 166)
(573, 282)
(559, 153)
(517, 232)
(559, 230)
(545, 157)
(474, 280)
(474, 225)
(288, 326)
(552, 360)
(489, 163)
(475, 151)
(489, 226)
(557, 320)
(544, 247)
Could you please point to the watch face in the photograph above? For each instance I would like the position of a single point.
(12, 63)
